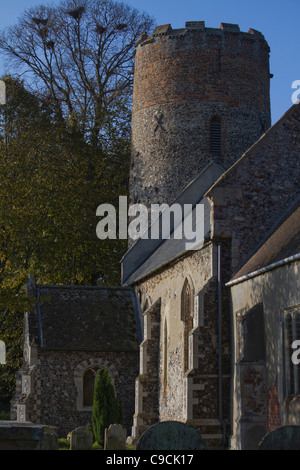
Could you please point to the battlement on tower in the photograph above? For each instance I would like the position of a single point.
(198, 27)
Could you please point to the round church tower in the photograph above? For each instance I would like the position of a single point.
(200, 94)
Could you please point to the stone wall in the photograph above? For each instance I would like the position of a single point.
(274, 415)
(264, 402)
(182, 79)
(191, 396)
(147, 383)
(56, 387)
(255, 193)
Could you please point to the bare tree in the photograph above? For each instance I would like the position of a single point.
(79, 57)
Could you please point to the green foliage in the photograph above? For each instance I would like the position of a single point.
(4, 408)
(63, 443)
(64, 150)
(51, 183)
(97, 446)
(11, 328)
(106, 407)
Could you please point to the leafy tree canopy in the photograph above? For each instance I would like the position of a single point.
(64, 150)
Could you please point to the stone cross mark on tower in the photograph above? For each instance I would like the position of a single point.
(183, 80)
(159, 121)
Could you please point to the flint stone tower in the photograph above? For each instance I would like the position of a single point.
(199, 94)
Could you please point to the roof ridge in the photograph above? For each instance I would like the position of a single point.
(250, 149)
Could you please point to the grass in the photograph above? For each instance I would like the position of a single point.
(64, 444)
(4, 416)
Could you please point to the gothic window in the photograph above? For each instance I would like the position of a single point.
(251, 371)
(146, 305)
(186, 316)
(89, 377)
(292, 368)
(215, 137)
(253, 331)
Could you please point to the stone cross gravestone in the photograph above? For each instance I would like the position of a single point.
(170, 435)
(115, 437)
(81, 439)
(283, 438)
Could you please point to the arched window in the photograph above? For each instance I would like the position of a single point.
(186, 316)
(254, 335)
(216, 137)
(89, 377)
(146, 305)
(85, 376)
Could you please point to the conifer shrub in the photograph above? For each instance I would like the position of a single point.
(107, 409)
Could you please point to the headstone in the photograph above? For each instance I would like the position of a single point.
(81, 439)
(283, 438)
(131, 441)
(170, 435)
(115, 437)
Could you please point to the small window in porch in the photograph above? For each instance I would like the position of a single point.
(89, 378)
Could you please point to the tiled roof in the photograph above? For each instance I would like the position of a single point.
(84, 318)
(149, 255)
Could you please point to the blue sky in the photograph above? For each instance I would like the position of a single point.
(278, 20)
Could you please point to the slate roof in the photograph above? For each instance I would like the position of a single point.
(84, 318)
(268, 134)
(282, 244)
(148, 255)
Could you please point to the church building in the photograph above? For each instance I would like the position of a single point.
(208, 325)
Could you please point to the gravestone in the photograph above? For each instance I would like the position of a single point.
(170, 435)
(81, 439)
(283, 438)
(115, 437)
(27, 436)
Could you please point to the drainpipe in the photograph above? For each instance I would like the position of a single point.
(220, 385)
